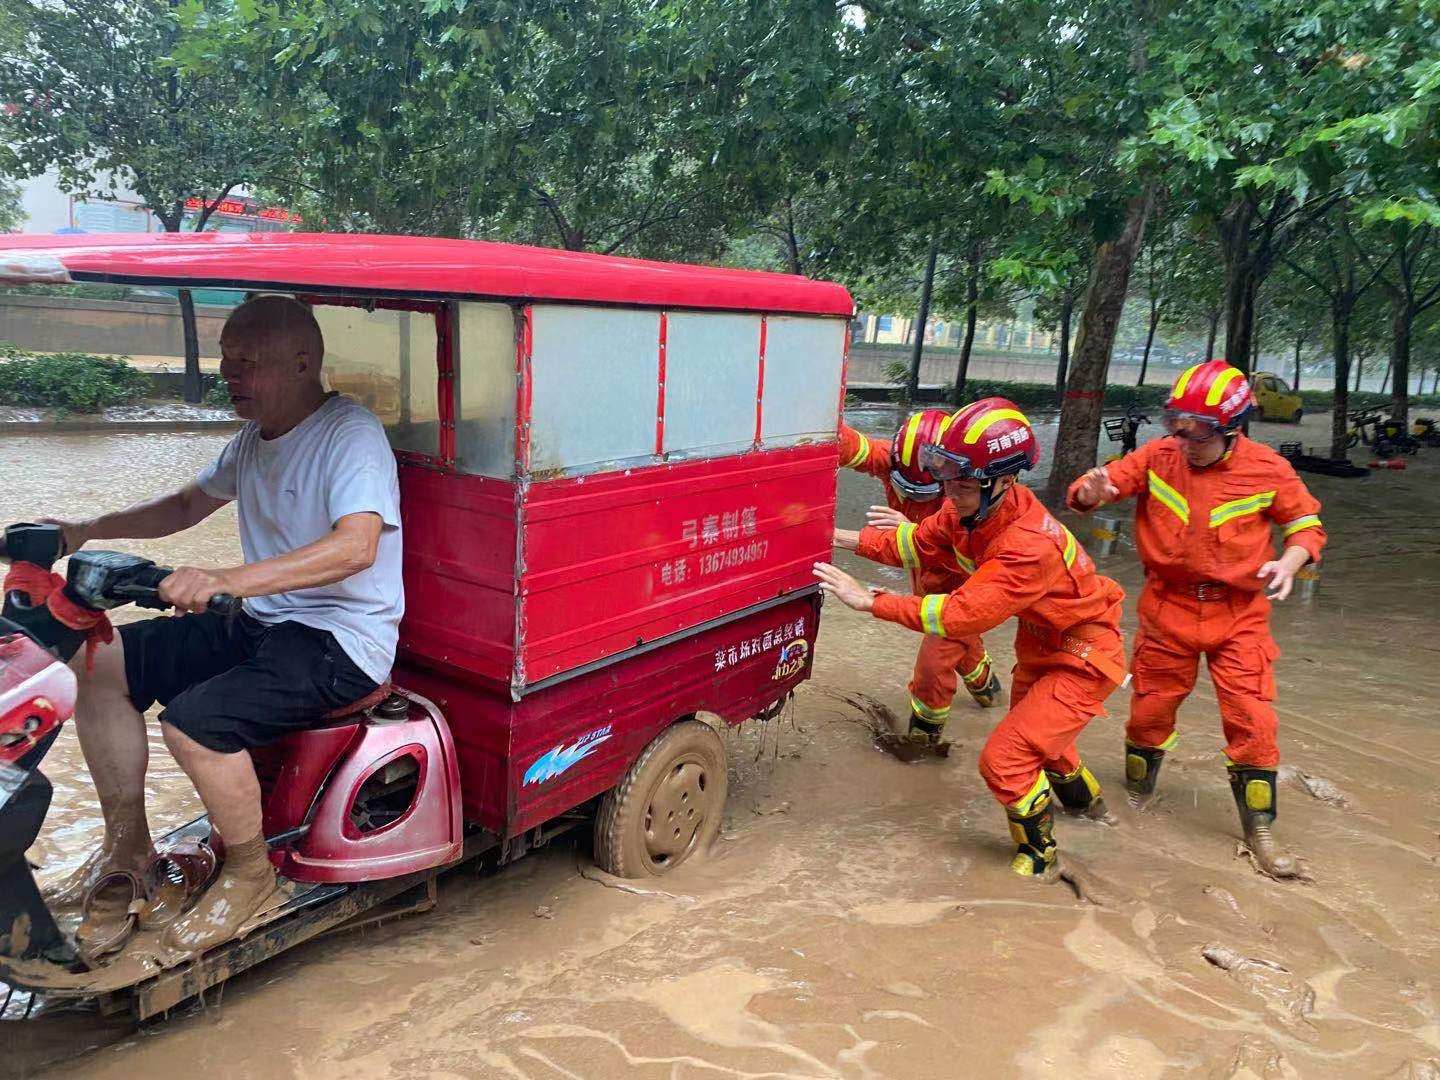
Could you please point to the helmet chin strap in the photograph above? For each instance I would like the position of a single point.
(988, 502)
(1230, 437)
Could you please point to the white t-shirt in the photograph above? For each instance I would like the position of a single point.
(291, 490)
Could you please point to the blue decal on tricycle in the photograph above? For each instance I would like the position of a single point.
(556, 760)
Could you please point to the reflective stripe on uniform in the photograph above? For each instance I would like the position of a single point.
(1168, 497)
(968, 565)
(926, 712)
(861, 454)
(930, 607)
(980, 675)
(1034, 799)
(905, 544)
(985, 419)
(1309, 521)
(1071, 547)
(1250, 504)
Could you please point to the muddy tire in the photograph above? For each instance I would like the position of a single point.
(668, 806)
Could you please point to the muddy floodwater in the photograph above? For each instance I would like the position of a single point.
(857, 918)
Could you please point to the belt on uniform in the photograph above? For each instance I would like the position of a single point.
(1089, 651)
(1201, 590)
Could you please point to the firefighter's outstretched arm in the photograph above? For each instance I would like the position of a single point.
(1000, 588)
(1106, 484)
(1297, 513)
(864, 453)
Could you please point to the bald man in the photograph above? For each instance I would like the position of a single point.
(318, 504)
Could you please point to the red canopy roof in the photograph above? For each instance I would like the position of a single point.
(364, 263)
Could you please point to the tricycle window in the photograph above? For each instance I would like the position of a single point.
(485, 390)
(386, 360)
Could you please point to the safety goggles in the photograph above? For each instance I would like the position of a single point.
(1190, 427)
(913, 491)
(945, 465)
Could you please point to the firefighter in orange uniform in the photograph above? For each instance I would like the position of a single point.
(1206, 498)
(1068, 647)
(912, 495)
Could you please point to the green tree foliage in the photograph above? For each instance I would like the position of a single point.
(1268, 113)
(96, 93)
(11, 214)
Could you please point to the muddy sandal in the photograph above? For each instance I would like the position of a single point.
(109, 914)
(71, 890)
(173, 880)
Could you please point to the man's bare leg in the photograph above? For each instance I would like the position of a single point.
(226, 783)
(112, 738)
(230, 791)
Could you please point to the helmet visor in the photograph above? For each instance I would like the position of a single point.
(1190, 426)
(944, 465)
(913, 491)
(947, 465)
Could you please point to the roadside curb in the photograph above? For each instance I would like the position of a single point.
(73, 427)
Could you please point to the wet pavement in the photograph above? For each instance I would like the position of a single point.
(857, 918)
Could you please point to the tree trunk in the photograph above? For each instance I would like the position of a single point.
(972, 306)
(1359, 371)
(1067, 312)
(1099, 319)
(1385, 380)
(792, 242)
(1241, 282)
(1340, 339)
(1400, 358)
(1149, 340)
(1214, 333)
(1255, 347)
(1299, 342)
(194, 390)
(912, 384)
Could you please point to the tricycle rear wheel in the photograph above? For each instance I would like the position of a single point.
(668, 806)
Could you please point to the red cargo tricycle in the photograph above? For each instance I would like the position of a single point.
(615, 476)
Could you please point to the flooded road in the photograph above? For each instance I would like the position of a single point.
(857, 918)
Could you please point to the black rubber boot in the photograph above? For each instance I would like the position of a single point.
(987, 694)
(1255, 797)
(1142, 770)
(1079, 793)
(1034, 834)
(925, 732)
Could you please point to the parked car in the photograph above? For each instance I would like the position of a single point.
(1275, 398)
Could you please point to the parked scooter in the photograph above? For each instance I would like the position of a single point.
(1125, 430)
(1384, 436)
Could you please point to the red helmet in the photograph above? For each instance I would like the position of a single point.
(918, 431)
(985, 440)
(1213, 394)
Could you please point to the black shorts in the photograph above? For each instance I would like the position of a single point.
(237, 683)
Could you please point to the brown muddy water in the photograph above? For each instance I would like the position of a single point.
(857, 919)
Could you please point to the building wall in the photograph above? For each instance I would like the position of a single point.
(106, 327)
(49, 210)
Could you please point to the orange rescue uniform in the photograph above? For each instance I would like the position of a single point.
(1069, 652)
(1203, 534)
(942, 663)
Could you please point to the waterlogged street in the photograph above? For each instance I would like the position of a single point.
(857, 918)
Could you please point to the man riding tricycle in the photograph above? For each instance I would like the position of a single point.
(526, 583)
